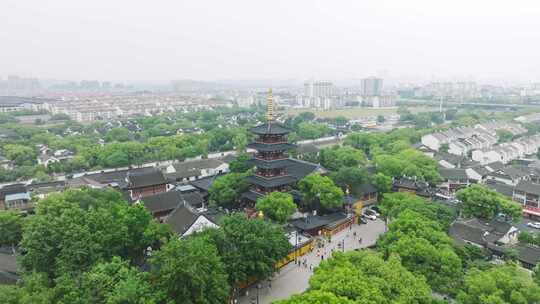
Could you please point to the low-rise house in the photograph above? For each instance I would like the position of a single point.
(528, 194)
(420, 188)
(483, 233)
(195, 169)
(477, 174)
(15, 197)
(453, 180)
(5, 163)
(510, 175)
(185, 221)
(142, 183)
(162, 204)
(328, 224)
(42, 190)
(47, 159)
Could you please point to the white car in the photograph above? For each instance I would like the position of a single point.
(534, 225)
(370, 216)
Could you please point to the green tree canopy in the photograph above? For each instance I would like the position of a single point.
(504, 135)
(408, 162)
(338, 157)
(190, 271)
(118, 134)
(424, 249)
(226, 190)
(382, 182)
(278, 206)
(364, 277)
(11, 227)
(74, 229)
(501, 284)
(479, 201)
(249, 248)
(113, 282)
(315, 297)
(20, 154)
(241, 163)
(320, 190)
(349, 178)
(393, 204)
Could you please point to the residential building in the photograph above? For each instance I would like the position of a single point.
(15, 197)
(371, 86)
(528, 194)
(195, 169)
(143, 183)
(453, 180)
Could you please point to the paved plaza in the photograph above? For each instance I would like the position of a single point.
(293, 279)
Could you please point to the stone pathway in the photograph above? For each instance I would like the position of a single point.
(294, 279)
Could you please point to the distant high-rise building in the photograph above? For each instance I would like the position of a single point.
(371, 86)
(318, 89)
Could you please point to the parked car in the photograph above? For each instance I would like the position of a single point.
(362, 221)
(370, 216)
(374, 211)
(534, 225)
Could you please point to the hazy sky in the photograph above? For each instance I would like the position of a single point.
(252, 39)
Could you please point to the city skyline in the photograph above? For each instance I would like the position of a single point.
(211, 40)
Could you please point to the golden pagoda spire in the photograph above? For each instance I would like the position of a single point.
(270, 107)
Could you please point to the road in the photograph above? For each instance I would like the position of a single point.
(294, 279)
(522, 226)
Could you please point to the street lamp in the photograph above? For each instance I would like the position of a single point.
(343, 245)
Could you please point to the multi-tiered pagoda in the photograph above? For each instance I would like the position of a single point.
(274, 170)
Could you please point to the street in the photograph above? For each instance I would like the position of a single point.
(294, 279)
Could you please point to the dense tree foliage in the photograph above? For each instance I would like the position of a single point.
(501, 284)
(73, 230)
(307, 130)
(349, 178)
(249, 248)
(113, 282)
(364, 277)
(118, 134)
(190, 271)
(316, 297)
(376, 143)
(409, 163)
(479, 201)
(20, 155)
(505, 136)
(531, 238)
(382, 182)
(424, 249)
(226, 190)
(318, 190)
(277, 206)
(338, 157)
(11, 225)
(393, 204)
(241, 163)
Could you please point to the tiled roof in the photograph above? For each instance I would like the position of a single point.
(528, 187)
(270, 128)
(145, 179)
(162, 201)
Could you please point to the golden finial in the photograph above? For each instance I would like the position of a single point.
(260, 215)
(270, 107)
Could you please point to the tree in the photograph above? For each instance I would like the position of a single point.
(380, 119)
(317, 189)
(501, 284)
(190, 271)
(315, 297)
(382, 182)
(536, 274)
(118, 134)
(74, 229)
(226, 190)
(408, 162)
(504, 135)
(113, 282)
(20, 155)
(393, 204)
(364, 277)
(479, 201)
(278, 206)
(33, 288)
(11, 225)
(337, 157)
(307, 130)
(249, 248)
(349, 178)
(241, 163)
(424, 249)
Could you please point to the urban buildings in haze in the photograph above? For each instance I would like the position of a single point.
(371, 86)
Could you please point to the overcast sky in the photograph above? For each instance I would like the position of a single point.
(228, 39)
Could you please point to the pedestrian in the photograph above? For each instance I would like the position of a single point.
(360, 241)
(322, 257)
(350, 227)
(310, 267)
(354, 234)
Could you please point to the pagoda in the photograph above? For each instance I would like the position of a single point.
(271, 159)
